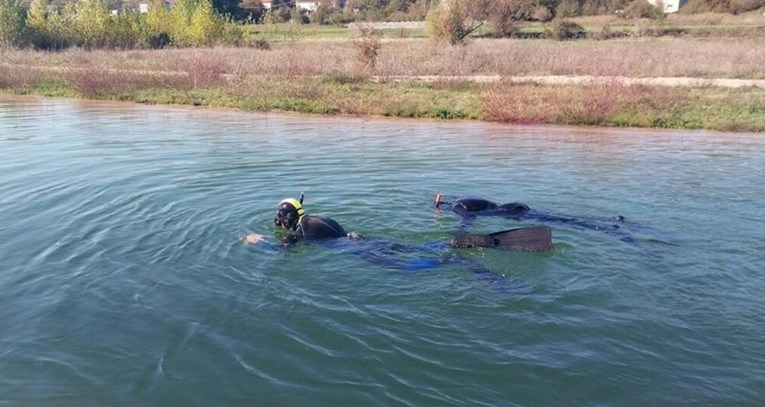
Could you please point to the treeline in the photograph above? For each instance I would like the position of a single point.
(343, 12)
(96, 24)
(89, 24)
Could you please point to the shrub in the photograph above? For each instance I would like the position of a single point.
(367, 48)
(565, 30)
(519, 104)
(591, 104)
(261, 43)
(605, 33)
(644, 9)
(18, 78)
(206, 70)
(100, 82)
(454, 20)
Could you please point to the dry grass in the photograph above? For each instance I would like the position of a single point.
(644, 57)
(588, 104)
(12, 77)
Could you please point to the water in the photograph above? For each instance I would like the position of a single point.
(123, 281)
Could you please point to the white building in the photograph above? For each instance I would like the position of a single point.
(670, 6)
(304, 5)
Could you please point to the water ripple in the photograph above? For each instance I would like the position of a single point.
(125, 283)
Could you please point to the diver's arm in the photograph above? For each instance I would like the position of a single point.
(260, 240)
(253, 238)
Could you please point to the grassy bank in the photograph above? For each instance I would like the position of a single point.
(339, 77)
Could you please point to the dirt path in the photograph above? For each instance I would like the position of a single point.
(586, 79)
(540, 79)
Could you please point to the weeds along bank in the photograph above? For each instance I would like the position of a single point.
(363, 77)
(253, 81)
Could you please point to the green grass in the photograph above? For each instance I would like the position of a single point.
(290, 32)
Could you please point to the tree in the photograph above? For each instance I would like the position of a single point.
(12, 25)
(454, 20)
(252, 10)
(158, 19)
(229, 8)
(204, 28)
(92, 23)
(322, 14)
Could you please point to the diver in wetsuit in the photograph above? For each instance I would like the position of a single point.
(291, 215)
(402, 256)
(469, 208)
(472, 206)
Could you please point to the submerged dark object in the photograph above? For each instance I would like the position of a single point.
(470, 208)
(475, 206)
(530, 239)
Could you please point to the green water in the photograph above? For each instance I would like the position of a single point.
(123, 281)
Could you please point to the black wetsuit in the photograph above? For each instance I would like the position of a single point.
(396, 255)
(315, 227)
(466, 206)
(469, 208)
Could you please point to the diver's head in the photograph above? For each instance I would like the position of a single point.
(289, 212)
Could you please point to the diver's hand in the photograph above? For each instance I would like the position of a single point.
(253, 238)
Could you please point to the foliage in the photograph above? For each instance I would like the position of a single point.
(502, 19)
(565, 30)
(454, 20)
(368, 47)
(158, 19)
(644, 9)
(126, 31)
(298, 16)
(322, 15)
(203, 28)
(91, 24)
(12, 24)
(228, 8)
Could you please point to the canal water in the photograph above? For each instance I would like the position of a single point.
(124, 282)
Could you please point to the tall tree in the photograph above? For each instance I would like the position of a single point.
(11, 23)
(229, 8)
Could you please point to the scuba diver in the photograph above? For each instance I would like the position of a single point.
(469, 208)
(290, 215)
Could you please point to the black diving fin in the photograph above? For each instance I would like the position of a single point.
(530, 239)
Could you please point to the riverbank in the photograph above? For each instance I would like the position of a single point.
(614, 81)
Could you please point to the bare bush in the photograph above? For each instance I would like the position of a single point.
(590, 104)
(97, 81)
(206, 70)
(367, 50)
(520, 104)
(18, 77)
